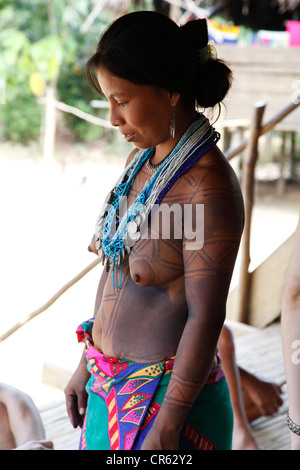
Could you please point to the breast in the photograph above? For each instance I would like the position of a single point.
(155, 262)
(142, 273)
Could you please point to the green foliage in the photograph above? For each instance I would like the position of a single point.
(74, 90)
(22, 119)
(42, 43)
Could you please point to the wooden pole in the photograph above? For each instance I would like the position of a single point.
(49, 125)
(51, 301)
(248, 180)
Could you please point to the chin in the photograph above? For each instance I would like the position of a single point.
(142, 147)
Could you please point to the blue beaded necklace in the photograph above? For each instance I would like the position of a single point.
(114, 244)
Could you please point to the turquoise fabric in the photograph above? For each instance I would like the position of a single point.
(211, 414)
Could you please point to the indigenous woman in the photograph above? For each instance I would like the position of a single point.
(154, 379)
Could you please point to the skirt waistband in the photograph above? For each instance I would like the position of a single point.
(109, 367)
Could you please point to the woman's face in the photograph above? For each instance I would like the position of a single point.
(143, 113)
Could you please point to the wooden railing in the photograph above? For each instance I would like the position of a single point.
(257, 129)
(269, 126)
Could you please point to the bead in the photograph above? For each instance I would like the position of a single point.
(132, 227)
(116, 236)
(127, 249)
(129, 242)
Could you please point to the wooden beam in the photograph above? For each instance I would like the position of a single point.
(271, 124)
(266, 284)
(51, 301)
(248, 193)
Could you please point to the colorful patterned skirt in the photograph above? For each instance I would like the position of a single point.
(124, 398)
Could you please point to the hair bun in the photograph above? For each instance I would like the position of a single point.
(148, 48)
(195, 32)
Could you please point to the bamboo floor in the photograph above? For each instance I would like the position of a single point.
(258, 351)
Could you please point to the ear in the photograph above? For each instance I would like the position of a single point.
(174, 98)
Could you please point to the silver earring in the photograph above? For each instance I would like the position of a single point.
(173, 123)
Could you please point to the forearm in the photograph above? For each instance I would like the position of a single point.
(291, 350)
(290, 322)
(192, 365)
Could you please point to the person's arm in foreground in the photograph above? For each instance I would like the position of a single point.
(290, 321)
(207, 278)
(76, 396)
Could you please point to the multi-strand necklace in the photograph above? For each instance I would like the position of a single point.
(116, 233)
(153, 167)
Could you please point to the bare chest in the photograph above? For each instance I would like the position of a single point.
(156, 258)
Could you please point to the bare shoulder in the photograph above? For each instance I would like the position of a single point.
(213, 179)
(216, 187)
(131, 156)
(213, 171)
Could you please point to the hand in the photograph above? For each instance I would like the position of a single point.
(157, 440)
(266, 396)
(36, 445)
(76, 395)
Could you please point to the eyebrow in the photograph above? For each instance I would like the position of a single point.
(117, 95)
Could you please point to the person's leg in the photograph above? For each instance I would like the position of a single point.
(7, 441)
(25, 423)
(243, 438)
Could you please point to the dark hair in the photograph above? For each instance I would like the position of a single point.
(148, 48)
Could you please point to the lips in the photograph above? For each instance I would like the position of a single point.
(129, 137)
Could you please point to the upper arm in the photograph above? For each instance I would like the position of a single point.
(208, 265)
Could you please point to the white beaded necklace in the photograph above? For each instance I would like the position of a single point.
(113, 246)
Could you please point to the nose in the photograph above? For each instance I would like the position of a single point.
(115, 117)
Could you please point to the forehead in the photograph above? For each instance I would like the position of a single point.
(113, 86)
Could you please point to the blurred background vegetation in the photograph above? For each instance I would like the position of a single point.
(46, 43)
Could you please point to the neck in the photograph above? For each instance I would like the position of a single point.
(184, 118)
